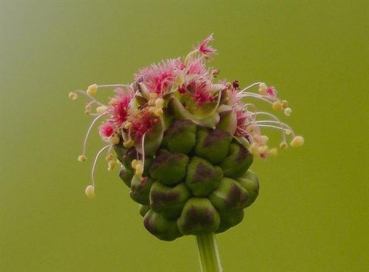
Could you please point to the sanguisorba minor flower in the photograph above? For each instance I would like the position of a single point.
(185, 141)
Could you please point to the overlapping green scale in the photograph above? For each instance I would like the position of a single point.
(198, 182)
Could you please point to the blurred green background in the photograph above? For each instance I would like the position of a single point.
(312, 214)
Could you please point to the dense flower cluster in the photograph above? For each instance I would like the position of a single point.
(176, 111)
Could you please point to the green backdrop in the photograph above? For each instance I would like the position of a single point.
(312, 213)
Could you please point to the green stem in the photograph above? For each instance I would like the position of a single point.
(208, 252)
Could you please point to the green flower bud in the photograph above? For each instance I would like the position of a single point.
(127, 172)
(140, 189)
(169, 168)
(212, 144)
(180, 137)
(120, 151)
(127, 158)
(202, 177)
(207, 118)
(153, 140)
(126, 175)
(237, 162)
(143, 209)
(198, 217)
(229, 195)
(250, 182)
(160, 226)
(167, 200)
(230, 219)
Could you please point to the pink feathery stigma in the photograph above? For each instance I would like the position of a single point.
(204, 48)
(143, 123)
(157, 78)
(106, 130)
(182, 89)
(200, 92)
(196, 67)
(271, 92)
(241, 118)
(119, 106)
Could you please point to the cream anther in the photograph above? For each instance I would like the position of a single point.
(91, 90)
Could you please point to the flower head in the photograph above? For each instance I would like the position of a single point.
(186, 141)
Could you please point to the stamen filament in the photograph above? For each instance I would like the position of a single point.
(264, 122)
(143, 150)
(88, 133)
(90, 97)
(258, 96)
(112, 85)
(276, 121)
(250, 86)
(94, 164)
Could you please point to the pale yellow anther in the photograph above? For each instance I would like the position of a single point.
(72, 96)
(109, 157)
(283, 145)
(138, 166)
(158, 112)
(250, 128)
(264, 138)
(263, 149)
(257, 138)
(262, 88)
(297, 141)
(128, 143)
(113, 102)
(134, 163)
(287, 111)
(273, 152)
(114, 139)
(139, 170)
(127, 125)
(153, 95)
(151, 103)
(277, 105)
(91, 90)
(101, 110)
(82, 158)
(111, 165)
(159, 102)
(284, 103)
(90, 191)
(152, 109)
(88, 109)
(253, 148)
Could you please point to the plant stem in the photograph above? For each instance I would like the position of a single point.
(208, 252)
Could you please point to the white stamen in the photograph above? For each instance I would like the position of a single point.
(88, 133)
(94, 164)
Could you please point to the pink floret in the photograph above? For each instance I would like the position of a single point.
(119, 106)
(106, 130)
(158, 78)
(204, 48)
